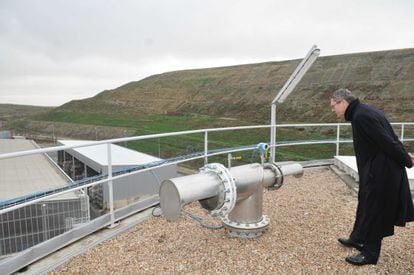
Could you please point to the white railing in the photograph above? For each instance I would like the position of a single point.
(205, 155)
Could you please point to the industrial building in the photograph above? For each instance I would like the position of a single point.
(25, 177)
(91, 161)
(20, 179)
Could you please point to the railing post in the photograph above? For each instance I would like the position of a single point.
(273, 133)
(159, 148)
(44, 222)
(338, 128)
(205, 147)
(73, 168)
(110, 188)
(402, 132)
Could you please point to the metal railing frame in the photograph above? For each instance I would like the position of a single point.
(206, 154)
(21, 259)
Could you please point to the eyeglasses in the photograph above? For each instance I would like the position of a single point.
(335, 103)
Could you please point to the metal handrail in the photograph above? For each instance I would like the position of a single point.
(206, 154)
(28, 256)
(126, 139)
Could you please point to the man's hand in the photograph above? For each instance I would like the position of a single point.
(412, 158)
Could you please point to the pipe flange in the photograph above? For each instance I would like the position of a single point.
(246, 230)
(230, 189)
(278, 175)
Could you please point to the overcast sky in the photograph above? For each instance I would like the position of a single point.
(54, 51)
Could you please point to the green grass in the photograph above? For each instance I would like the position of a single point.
(172, 146)
(144, 124)
(185, 144)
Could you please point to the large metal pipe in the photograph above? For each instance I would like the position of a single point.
(235, 194)
(177, 192)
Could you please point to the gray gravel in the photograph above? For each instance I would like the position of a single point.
(307, 216)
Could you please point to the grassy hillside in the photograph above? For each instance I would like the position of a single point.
(12, 111)
(384, 79)
(236, 95)
(16, 117)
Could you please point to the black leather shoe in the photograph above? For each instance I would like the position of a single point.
(351, 243)
(359, 259)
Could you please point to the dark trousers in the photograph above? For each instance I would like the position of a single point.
(372, 250)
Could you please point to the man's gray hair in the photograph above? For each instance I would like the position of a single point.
(343, 94)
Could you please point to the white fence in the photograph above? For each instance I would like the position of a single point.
(21, 259)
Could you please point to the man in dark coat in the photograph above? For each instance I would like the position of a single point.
(384, 197)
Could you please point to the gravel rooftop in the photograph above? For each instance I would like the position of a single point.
(307, 215)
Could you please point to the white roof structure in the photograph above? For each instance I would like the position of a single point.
(22, 176)
(96, 156)
(348, 164)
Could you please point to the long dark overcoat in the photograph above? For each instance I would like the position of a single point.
(384, 197)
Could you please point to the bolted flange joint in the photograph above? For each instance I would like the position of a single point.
(246, 230)
(229, 195)
(278, 175)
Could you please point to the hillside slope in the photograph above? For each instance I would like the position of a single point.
(384, 79)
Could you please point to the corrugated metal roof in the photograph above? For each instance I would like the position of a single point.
(120, 156)
(29, 174)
